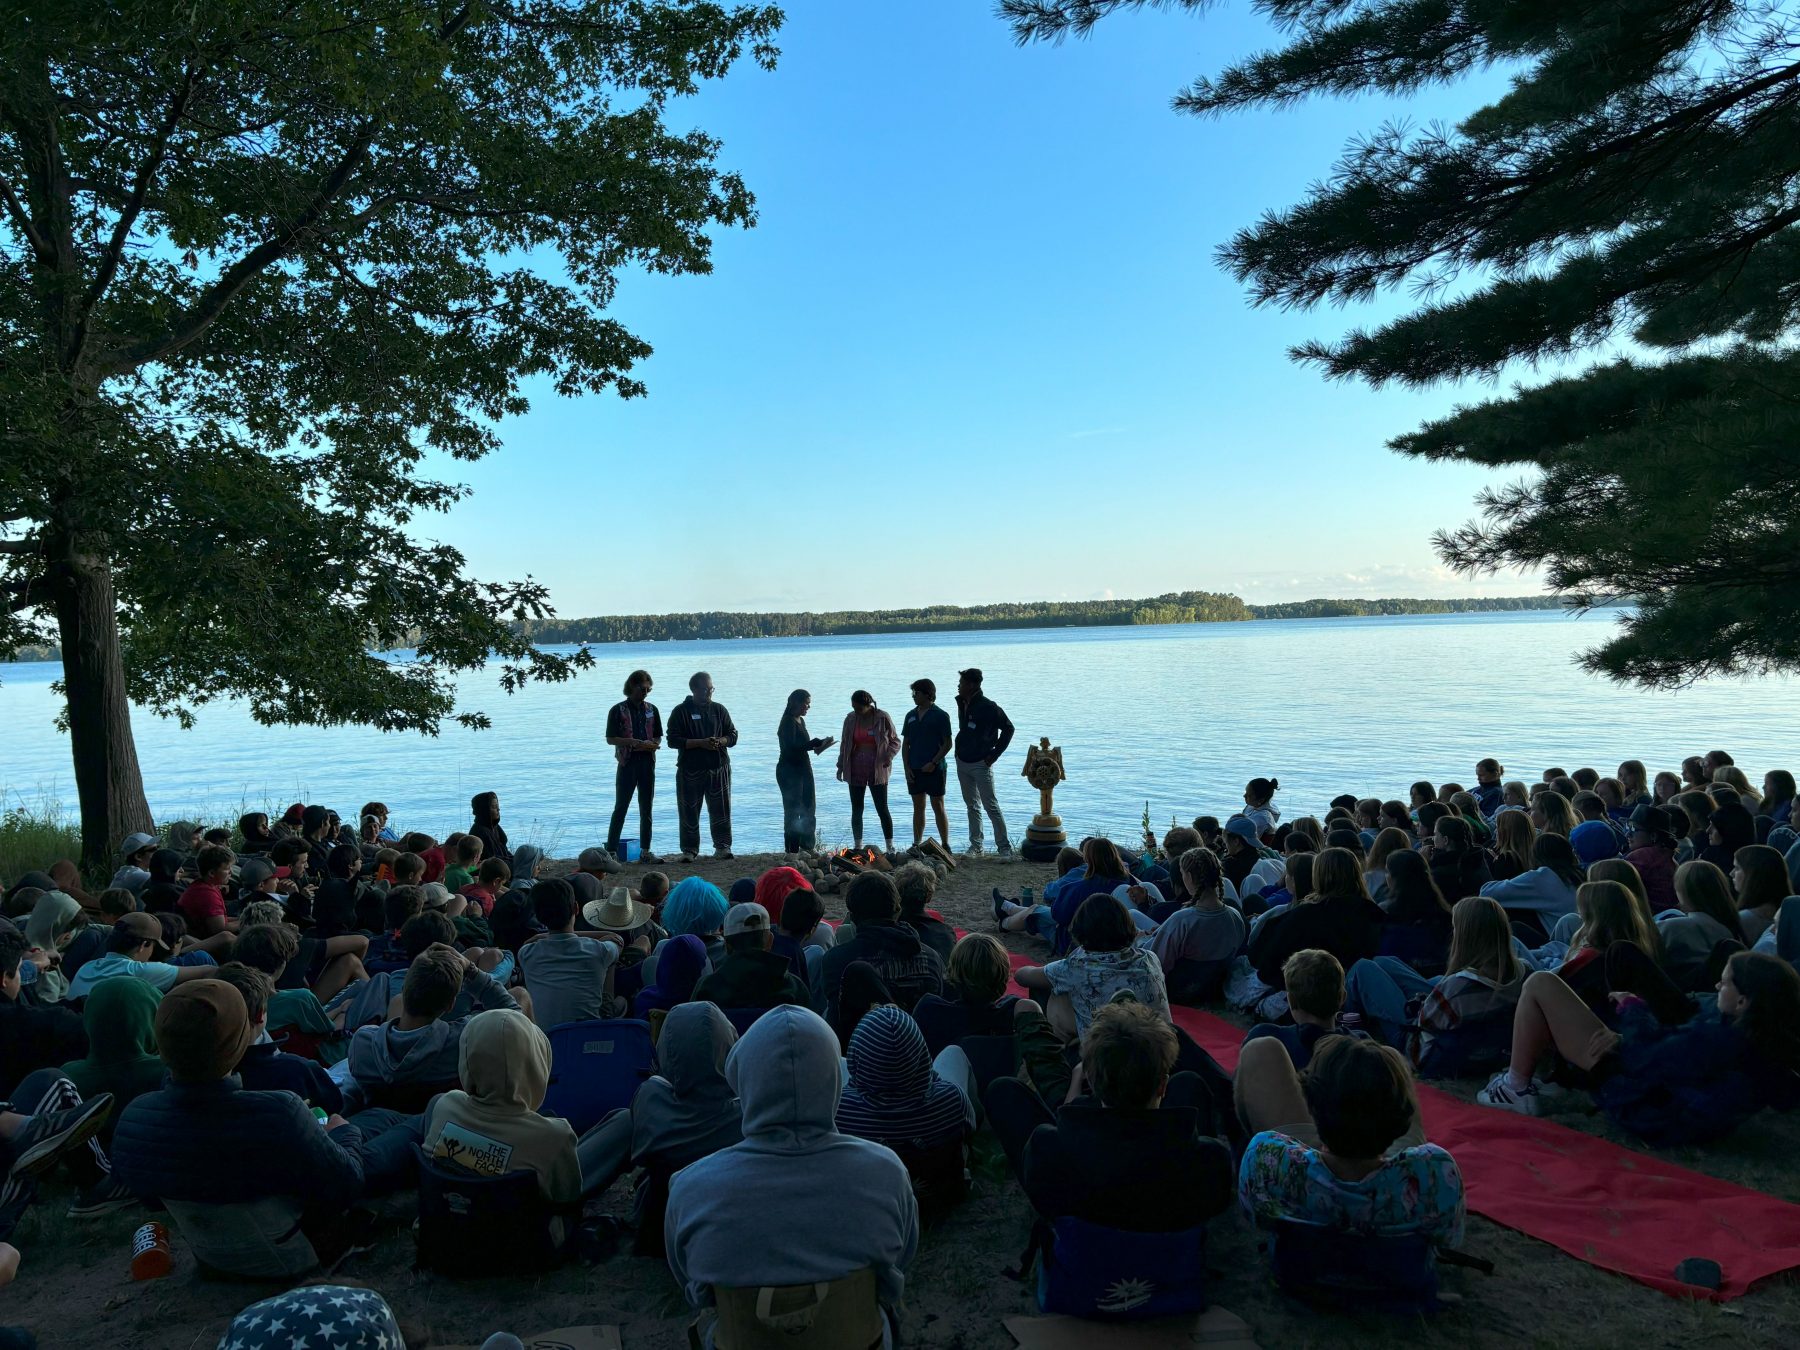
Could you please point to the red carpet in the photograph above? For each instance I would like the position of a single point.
(1619, 1210)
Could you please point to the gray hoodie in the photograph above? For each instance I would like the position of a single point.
(796, 1202)
(687, 1110)
(386, 1054)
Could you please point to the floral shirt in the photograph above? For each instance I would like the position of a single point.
(1417, 1190)
(1091, 978)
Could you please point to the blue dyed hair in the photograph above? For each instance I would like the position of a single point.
(695, 906)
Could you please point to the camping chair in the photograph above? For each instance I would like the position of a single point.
(473, 1225)
(844, 1314)
(596, 1067)
(1354, 1272)
(1114, 1274)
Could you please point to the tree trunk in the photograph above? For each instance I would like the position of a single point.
(107, 776)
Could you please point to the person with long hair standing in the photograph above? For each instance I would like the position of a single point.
(634, 730)
(794, 775)
(865, 758)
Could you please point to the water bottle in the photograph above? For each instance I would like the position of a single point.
(1025, 895)
(150, 1255)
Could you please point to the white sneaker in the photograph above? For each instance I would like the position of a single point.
(723, 854)
(974, 849)
(1499, 1092)
(685, 859)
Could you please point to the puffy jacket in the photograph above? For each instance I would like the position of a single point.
(217, 1144)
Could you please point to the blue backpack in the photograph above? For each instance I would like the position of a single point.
(1111, 1274)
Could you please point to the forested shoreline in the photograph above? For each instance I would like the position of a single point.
(1174, 607)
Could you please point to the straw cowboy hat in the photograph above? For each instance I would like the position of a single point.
(620, 912)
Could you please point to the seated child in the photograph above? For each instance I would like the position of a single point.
(491, 1125)
(400, 1064)
(751, 975)
(1681, 1084)
(975, 1001)
(1196, 943)
(265, 1067)
(202, 904)
(800, 924)
(491, 881)
(465, 858)
(1483, 981)
(1342, 1162)
(323, 965)
(1315, 987)
(1106, 960)
(1138, 1154)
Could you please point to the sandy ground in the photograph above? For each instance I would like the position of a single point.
(74, 1291)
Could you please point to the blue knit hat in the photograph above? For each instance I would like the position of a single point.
(1594, 841)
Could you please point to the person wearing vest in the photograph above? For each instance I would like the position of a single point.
(634, 730)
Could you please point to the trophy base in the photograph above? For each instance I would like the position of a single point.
(1044, 839)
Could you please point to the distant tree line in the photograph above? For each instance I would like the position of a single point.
(1174, 607)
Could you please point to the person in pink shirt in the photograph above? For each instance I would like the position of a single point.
(203, 903)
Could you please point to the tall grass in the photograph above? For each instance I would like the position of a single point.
(32, 836)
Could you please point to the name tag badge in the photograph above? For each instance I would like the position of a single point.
(695, 716)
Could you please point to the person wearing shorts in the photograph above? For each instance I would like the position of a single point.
(926, 738)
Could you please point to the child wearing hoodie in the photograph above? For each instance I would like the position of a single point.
(796, 1202)
(400, 1064)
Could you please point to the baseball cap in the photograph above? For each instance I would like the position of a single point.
(435, 894)
(144, 927)
(202, 1029)
(252, 872)
(596, 860)
(135, 843)
(1243, 827)
(750, 918)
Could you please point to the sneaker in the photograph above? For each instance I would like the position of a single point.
(1499, 1092)
(1006, 855)
(685, 858)
(103, 1197)
(41, 1142)
(999, 906)
(974, 849)
(650, 859)
(723, 854)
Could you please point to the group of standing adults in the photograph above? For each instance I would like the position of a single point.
(701, 733)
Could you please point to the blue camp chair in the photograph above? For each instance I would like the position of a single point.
(474, 1225)
(1112, 1274)
(596, 1067)
(1352, 1272)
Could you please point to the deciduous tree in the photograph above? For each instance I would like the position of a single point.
(257, 258)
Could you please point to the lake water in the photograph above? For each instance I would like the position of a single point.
(1179, 716)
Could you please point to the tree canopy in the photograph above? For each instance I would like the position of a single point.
(1632, 199)
(256, 261)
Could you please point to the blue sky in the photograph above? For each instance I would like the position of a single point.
(977, 349)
